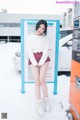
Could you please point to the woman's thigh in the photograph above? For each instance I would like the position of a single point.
(36, 72)
(43, 70)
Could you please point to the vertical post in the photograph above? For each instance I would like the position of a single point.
(56, 57)
(8, 39)
(22, 58)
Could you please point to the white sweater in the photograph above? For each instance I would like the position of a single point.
(36, 43)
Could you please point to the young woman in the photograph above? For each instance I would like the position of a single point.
(37, 47)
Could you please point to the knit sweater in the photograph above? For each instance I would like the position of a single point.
(37, 43)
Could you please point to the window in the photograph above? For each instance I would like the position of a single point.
(69, 20)
(76, 23)
(9, 24)
(64, 33)
(3, 38)
(10, 38)
(68, 44)
(14, 39)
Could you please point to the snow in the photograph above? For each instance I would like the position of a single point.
(20, 106)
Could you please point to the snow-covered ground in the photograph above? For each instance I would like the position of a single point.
(20, 106)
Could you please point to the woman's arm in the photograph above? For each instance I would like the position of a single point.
(31, 55)
(45, 54)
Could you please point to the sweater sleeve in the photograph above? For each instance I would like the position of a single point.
(45, 55)
(31, 55)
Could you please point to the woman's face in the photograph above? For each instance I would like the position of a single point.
(40, 30)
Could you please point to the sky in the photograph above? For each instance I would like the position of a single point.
(35, 6)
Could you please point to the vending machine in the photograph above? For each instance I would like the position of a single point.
(74, 96)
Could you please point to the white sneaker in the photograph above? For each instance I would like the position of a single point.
(47, 104)
(39, 108)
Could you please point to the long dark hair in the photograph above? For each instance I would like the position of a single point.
(42, 22)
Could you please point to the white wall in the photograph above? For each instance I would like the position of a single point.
(68, 21)
(9, 31)
(15, 18)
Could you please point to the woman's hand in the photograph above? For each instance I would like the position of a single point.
(40, 63)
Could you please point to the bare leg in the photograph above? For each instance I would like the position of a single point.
(43, 70)
(36, 72)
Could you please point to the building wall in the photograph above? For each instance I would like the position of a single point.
(10, 23)
(76, 8)
(67, 20)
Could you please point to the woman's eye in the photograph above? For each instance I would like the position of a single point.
(43, 29)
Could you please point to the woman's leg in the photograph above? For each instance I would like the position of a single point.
(36, 74)
(43, 70)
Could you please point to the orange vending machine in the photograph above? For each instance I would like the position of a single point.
(74, 96)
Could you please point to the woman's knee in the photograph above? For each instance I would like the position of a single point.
(38, 82)
(42, 81)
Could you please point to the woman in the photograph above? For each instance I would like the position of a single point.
(37, 47)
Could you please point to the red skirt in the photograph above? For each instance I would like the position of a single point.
(38, 56)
